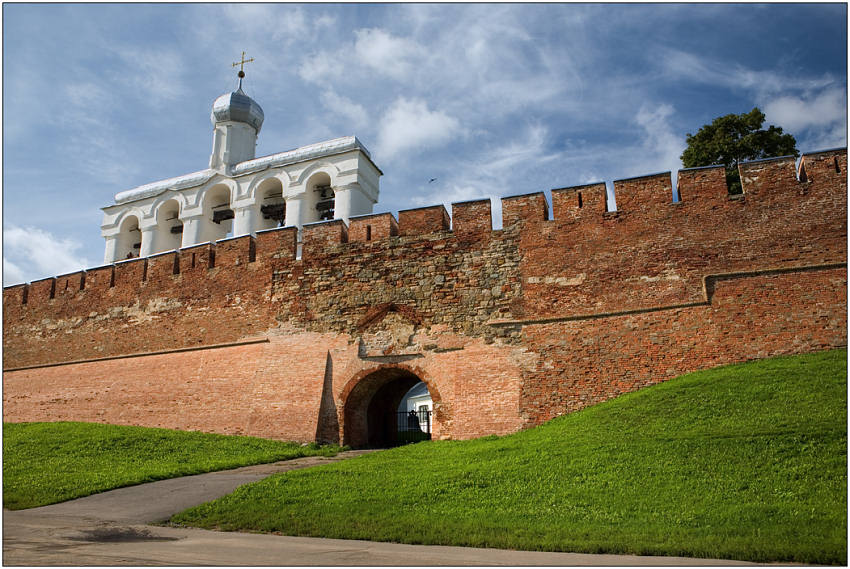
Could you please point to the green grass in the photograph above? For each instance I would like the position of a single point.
(45, 463)
(743, 462)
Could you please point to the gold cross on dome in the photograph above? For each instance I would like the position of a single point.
(242, 63)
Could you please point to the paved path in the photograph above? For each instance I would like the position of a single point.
(111, 529)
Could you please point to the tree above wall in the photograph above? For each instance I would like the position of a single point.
(733, 138)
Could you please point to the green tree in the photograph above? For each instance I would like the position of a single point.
(732, 138)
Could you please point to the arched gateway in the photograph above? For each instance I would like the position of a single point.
(370, 402)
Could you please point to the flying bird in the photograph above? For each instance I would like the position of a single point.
(432, 180)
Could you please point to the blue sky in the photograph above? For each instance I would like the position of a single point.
(490, 99)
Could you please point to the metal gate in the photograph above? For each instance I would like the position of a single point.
(414, 426)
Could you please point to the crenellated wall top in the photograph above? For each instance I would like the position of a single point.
(774, 180)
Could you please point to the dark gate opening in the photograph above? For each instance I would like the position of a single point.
(381, 418)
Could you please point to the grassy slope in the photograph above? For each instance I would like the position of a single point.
(45, 463)
(744, 462)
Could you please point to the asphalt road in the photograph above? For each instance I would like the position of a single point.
(112, 529)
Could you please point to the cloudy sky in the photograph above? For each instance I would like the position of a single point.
(491, 100)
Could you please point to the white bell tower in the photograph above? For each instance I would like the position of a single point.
(241, 194)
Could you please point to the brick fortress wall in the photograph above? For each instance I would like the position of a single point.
(508, 328)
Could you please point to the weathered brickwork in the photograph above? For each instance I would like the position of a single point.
(749, 317)
(508, 328)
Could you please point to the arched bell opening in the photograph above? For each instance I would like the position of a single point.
(371, 412)
(129, 243)
(218, 214)
(169, 227)
(320, 200)
(270, 204)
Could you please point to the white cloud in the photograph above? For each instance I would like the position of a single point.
(154, 73)
(92, 140)
(12, 273)
(345, 107)
(797, 113)
(812, 108)
(385, 53)
(30, 253)
(825, 113)
(832, 137)
(662, 145)
(89, 95)
(529, 150)
(319, 67)
(272, 23)
(409, 124)
(373, 50)
(683, 65)
(264, 20)
(323, 21)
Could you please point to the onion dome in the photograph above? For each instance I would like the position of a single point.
(237, 107)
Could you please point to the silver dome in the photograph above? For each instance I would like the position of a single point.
(239, 107)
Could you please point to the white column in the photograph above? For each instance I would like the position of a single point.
(293, 210)
(192, 226)
(148, 241)
(111, 249)
(227, 141)
(244, 220)
(342, 202)
(215, 157)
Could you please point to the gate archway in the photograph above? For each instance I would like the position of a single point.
(370, 405)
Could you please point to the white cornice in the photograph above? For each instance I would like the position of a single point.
(309, 152)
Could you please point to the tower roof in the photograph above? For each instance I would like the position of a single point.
(238, 107)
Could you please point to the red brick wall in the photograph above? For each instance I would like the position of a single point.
(256, 389)
(748, 318)
(292, 387)
(510, 327)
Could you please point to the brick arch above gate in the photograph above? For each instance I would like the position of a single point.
(345, 402)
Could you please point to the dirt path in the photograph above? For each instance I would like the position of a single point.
(110, 529)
